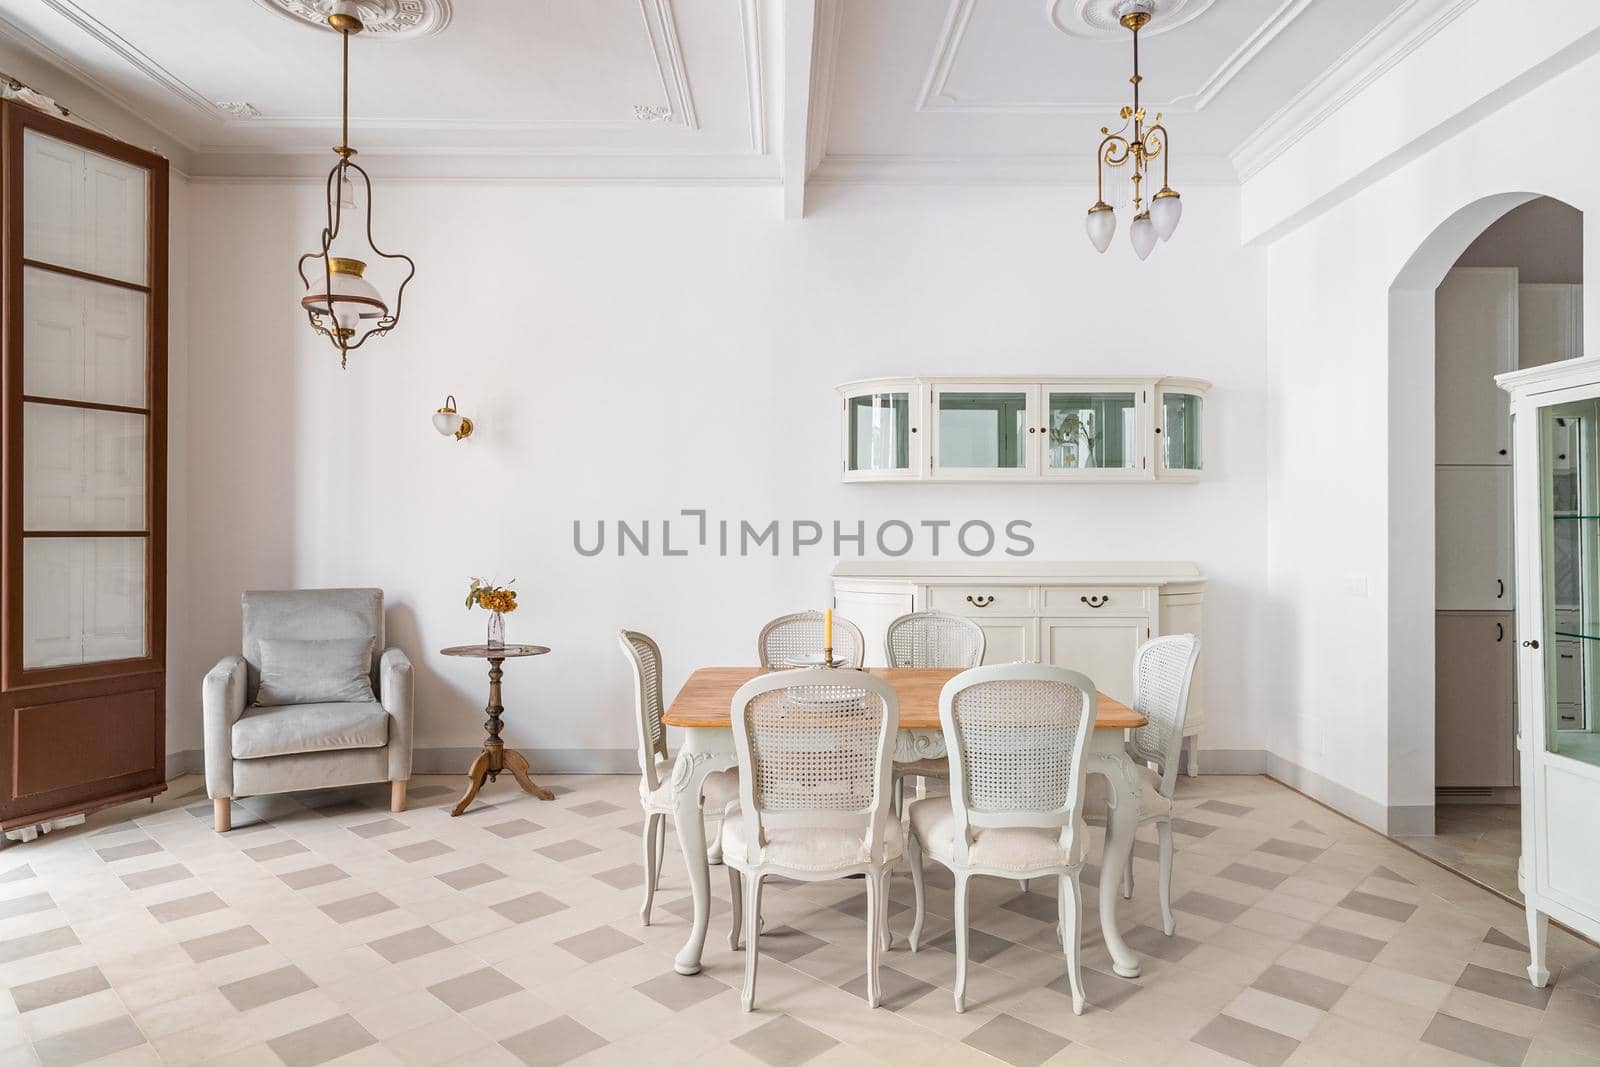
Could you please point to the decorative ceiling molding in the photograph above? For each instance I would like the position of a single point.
(1409, 27)
(998, 170)
(662, 27)
(1098, 20)
(936, 94)
(381, 20)
(824, 66)
(136, 59)
(239, 109)
(754, 73)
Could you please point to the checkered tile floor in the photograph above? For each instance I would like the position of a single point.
(324, 929)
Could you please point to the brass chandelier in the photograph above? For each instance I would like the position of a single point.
(1138, 146)
(340, 303)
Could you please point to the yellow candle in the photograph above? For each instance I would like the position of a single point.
(827, 628)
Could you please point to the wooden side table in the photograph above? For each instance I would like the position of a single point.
(496, 757)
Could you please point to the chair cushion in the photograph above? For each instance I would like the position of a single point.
(332, 671)
(262, 732)
(807, 848)
(1019, 848)
(721, 788)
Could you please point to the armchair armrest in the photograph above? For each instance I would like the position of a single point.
(395, 692)
(222, 697)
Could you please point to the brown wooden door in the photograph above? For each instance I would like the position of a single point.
(1474, 694)
(83, 248)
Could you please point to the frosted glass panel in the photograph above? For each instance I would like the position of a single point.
(83, 210)
(1180, 431)
(1093, 430)
(82, 469)
(880, 432)
(982, 430)
(83, 600)
(82, 340)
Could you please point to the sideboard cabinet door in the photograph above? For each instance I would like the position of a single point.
(1101, 648)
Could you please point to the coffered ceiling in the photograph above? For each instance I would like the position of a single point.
(780, 91)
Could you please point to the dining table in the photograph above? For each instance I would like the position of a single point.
(702, 709)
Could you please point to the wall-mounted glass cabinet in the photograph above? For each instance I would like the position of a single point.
(1113, 429)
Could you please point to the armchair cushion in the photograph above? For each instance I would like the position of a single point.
(332, 671)
(285, 731)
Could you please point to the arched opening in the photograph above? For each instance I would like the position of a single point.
(1449, 481)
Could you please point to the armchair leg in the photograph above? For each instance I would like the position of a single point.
(221, 814)
(397, 795)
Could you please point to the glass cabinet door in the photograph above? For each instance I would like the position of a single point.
(1178, 430)
(1570, 464)
(1093, 430)
(882, 435)
(984, 429)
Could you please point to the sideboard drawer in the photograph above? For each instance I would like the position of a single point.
(983, 599)
(1097, 600)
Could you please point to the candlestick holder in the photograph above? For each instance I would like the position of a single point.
(827, 655)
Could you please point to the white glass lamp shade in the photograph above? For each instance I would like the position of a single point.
(353, 298)
(1101, 224)
(446, 422)
(1143, 235)
(1165, 211)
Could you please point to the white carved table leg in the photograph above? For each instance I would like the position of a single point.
(704, 751)
(1108, 759)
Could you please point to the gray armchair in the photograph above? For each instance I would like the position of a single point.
(253, 749)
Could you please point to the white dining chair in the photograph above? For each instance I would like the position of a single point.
(1017, 735)
(655, 768)
(930, 639)
(792, 637)
(813, 749)
(1163, 669)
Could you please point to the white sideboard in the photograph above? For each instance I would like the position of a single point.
(1090, 617)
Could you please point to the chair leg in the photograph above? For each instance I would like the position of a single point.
(1022, 883)
(914, 855)
(1127, 877)
(661, 848)
(397, 795)
(874, 928)
(1071, 926)
(735, 894)
(652, 823)
(961, 942)
(222, 814)
(752, 938)
(1164, 835)
(1193, 741)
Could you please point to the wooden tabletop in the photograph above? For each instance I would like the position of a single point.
(494, 651)
(707, 697)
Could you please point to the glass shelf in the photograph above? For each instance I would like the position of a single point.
(1578, 636)
(1587, 518)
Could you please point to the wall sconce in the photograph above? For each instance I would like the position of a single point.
(448, 423)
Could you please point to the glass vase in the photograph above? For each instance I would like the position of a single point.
(497, 630)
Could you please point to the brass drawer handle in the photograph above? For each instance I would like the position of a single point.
(980, 601)
(1096, 601)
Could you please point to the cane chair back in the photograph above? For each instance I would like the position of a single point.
(814, 750)
(1017, 736)
(644, 657)
(1163, 669)
(791, 637)
(934, 639)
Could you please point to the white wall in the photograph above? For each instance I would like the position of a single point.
(629, 352)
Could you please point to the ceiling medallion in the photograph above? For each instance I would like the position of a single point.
(1101, 20)
(382, 20)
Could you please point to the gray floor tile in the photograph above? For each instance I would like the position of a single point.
(1218, 908)
(1373, 904)
(514, 828)
(182, 908)
(1386, 873)
(1515, 988)
(312, 876)
(1479, 1042)
(128, 851)
(1015, 1042)
(344, 911)
(422, 850)
(1103, 991)
(598, 944)
(567, 850)
(397, 948)
(1148, 941)
(222, 943)
(595, 807)
(1312, 989)
(553, 1043)
(1190, 828)
(158, 876)
(467, 991)
(31, 996)
(378, 828)
(1222, 807)
(531, 906)
(677, 992)
(1246, 1041)
(20, 948)
(786, 944)
(17, 874)
(1500, 940)
(325, 1041)
(475, 875)
(898, 989)
(1248, 875)
(981, 947)
(1342, 942)
(265, 988)
(784, 1042)
(1040, 906)
(1290, 849)
(624, 877)
(856, 906)
(277, 850)
(1301, 824)
(27, 905)
(88, 1043)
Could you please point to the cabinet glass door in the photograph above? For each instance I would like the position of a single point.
(1178, 430)
(1089, 430)
(987, 429)
(1570, 459)
(85, 466)
(881, 433)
